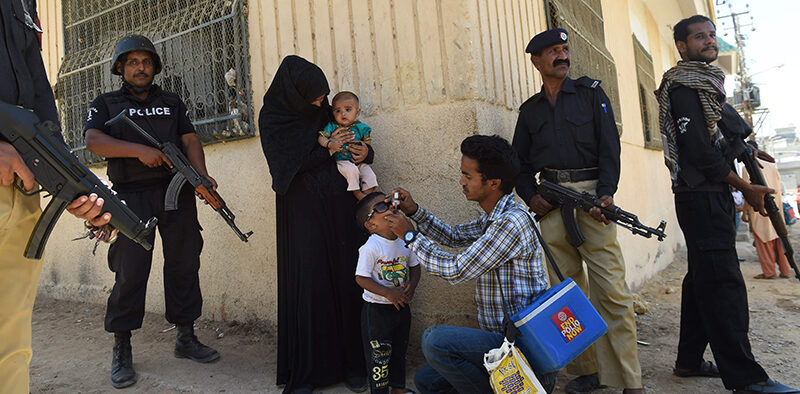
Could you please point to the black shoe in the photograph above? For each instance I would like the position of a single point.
(770, 386)
(356, 384)
(707, 369)
(583, 384)
(122, 372)
(187, 346)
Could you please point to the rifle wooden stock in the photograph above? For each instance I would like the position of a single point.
(211, 197)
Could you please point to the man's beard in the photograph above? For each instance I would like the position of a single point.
(137, 89)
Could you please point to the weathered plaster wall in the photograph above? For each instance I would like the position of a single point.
(429, 73)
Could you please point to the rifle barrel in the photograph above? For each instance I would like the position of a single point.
(775, 213)
(139, 129)
(586, 201)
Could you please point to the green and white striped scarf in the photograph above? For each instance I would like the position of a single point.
(709, 82)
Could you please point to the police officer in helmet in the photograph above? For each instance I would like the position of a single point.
(140, 175)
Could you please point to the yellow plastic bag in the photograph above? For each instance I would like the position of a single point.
(509, 371)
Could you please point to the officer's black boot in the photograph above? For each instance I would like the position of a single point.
(122, 372)
(187, 346)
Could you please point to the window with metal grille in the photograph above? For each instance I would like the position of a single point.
(203, 45)
(584, 21)
(647, 99)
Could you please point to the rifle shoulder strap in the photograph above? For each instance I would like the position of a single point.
(511, 331)
(546, 249)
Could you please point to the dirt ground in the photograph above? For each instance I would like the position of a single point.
(72, 352)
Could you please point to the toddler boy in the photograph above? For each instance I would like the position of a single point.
(389, 274)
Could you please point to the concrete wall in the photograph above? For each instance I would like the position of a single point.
(429, 73)
(52, 38)
(644, 182)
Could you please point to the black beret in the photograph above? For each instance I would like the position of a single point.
(546, 39)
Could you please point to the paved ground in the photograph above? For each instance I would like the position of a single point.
(72, 353)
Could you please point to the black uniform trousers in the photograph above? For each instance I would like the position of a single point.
(384, 330)
(181, 243)
(714, 298)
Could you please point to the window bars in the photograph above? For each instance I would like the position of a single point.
(647, 99)
(204, 50)
(583, 19)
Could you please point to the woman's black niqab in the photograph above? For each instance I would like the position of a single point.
(288, 122)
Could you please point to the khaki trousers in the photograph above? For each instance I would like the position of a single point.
(614, 357)
(769, 253)
(19, 278)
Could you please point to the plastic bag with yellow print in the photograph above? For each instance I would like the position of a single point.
(509, 371)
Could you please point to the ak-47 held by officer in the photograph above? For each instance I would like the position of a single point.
(184, 172)
(775, 214)
(567, 135)
(63, 177)
(569, 200)
(141, 179)
(702, 136)
(24, 88)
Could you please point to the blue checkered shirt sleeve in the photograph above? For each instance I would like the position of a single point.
(447, 234)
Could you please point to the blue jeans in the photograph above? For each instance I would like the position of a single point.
(455, 361)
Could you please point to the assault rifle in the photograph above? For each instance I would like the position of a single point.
(63, 176)
(568, 200)
(775, 214)
(184, 171)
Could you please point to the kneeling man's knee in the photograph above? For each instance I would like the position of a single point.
(432, 341)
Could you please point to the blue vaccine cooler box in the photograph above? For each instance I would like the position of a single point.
(558, 326)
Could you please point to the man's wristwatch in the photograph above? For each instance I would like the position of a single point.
(410, 236)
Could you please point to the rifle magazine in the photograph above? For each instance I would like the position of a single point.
(44, 227)
(173, 190)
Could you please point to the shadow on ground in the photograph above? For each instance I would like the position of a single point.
(72, 352)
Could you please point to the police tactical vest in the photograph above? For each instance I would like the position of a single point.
(158, 115)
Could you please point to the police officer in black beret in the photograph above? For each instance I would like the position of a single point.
(140, 175)
(566, 134)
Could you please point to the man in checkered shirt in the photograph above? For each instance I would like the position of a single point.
(501, 239)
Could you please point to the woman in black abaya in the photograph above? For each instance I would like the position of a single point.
(319, 303)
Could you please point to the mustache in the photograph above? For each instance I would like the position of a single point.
(714, 47)
(142, 74)
(560, 61)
